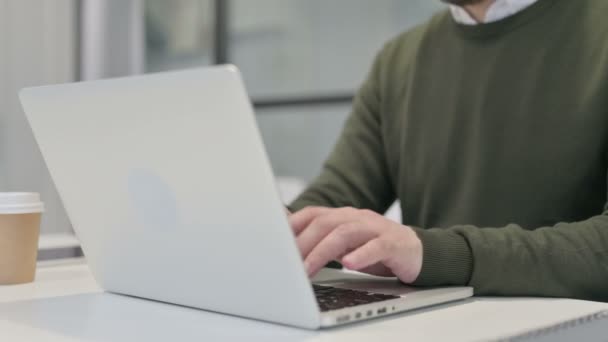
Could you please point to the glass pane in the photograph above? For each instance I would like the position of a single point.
(299, 139)
(179, 34)
(296, 47)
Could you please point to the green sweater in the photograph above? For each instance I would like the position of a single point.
(495, 139)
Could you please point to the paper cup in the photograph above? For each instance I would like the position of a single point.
(20, 214)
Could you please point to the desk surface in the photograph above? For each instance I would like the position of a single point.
(65, 304)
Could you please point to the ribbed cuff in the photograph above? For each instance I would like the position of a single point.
(447, 258)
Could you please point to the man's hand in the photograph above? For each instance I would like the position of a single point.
(361, 240)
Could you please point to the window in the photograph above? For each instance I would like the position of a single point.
(302, 60)
(294, 48)
(178, 34)
(299, 138)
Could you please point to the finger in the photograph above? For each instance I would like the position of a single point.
(300, 219)
(321, 226)
(371, 253)
(341, 240)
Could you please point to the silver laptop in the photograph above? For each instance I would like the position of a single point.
(169, 189)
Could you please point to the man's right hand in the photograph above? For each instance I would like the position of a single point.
(361, 240)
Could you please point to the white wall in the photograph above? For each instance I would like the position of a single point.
(36, 47)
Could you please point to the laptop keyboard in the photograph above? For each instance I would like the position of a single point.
(333, 298)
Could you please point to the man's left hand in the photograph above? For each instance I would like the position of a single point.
(361, 240)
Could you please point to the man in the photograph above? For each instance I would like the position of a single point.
(490, 124)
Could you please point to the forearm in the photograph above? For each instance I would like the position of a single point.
(566, 260)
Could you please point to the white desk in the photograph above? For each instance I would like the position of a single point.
(65, 304)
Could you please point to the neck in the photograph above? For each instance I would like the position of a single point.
(479, 9)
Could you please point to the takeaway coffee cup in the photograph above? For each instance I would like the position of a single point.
(20, 214)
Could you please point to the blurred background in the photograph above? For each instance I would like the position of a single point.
(302, 61)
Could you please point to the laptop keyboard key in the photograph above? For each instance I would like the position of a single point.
(333, 298)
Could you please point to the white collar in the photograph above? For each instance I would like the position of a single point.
(500, 9)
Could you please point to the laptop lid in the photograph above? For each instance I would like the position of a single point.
(168, 187)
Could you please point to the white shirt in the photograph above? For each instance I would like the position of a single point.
(500, 9)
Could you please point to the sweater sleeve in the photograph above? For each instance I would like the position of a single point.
(356, 172)
(565, 260)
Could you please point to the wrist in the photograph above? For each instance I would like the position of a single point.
(417, 255)
(407, 262)
(446, 258)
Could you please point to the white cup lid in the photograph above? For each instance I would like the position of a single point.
(20, 203)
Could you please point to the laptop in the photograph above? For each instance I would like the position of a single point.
(169, 189)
